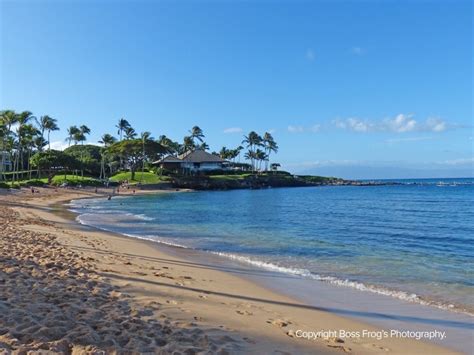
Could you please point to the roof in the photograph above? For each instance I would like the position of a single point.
(200, 156)
(168, 159)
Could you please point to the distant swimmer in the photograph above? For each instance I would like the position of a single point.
(109, 197)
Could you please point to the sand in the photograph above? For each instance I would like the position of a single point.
(66, 288)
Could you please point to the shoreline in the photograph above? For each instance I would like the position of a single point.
(397, 294)
(374, 308)
(260, 319)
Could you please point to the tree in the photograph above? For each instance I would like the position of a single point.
(132, 151)
(71, 134)
(274, 166)
(171, 146)
(130, 133)
(53, 160)
(88, 156)
(260, 156)
(188, 144)
(7, 119)
(196, 133)
(270, 146)
(107, 140)
(47, 124)
(23, 119)
(252, 140)
(80, 136)
(121, 126)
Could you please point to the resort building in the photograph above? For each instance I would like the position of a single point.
(193, 161)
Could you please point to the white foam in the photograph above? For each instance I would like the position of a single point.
(401, 295)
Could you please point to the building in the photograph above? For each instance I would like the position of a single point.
(192, 161)
(5, 162)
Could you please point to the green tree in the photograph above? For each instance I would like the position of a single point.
(47, 124)
(107, 140)
(252, 140)
(196, 133)
(7, 119)
(130, 133)
(53, 160)
(121, 126)
(72, 132)
(270, 146)
(135, 151)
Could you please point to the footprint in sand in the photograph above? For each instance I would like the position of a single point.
(244, 313)
(281, 323)
(341, 347)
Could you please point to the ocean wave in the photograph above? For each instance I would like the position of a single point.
(154, 238)
(401, 295)
(300, 272)
(143, 217)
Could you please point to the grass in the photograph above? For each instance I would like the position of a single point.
(148, 178)
(71, 180)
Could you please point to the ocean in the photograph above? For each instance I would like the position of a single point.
(414, 242)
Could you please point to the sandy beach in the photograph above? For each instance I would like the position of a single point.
(68, 288)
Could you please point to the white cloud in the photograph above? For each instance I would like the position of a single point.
(315, 128)
(295, 129)
(401, 123)
(435, 124)
(310, 55)
(233, 130)
(59, 145)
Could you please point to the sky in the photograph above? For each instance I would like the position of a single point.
(356, 89)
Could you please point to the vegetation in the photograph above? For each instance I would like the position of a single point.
(145, 178)
(25, 149)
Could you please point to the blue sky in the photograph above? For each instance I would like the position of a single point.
(361, 89)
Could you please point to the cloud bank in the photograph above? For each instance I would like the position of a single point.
(401, 123)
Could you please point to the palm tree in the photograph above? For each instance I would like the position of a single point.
(253, 140)
(203, 146)
(224, 153)
(71, 133)
(23, 119)
(80, 136)
(84, 130)
(28, 134)
(130, 133)
(196, 133)
(188, 144)
(122, 125)
(260, 156)
(48, 124)
(144, 137)
(270, 146)
(171, 147)
(107, 140)
(7, 119)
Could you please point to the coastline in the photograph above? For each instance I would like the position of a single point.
(197, 295)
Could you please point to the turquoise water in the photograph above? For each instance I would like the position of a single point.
(413, 242)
